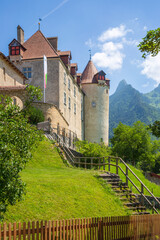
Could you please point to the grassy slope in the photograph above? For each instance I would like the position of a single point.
(55, 191)
(151, 186)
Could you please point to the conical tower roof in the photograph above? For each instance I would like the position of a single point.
(88, 73)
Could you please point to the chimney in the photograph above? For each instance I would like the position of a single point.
(54, 42)
(20, 35)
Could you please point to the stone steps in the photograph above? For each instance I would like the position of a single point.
(130, 200)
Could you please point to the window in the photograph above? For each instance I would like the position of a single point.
(74, 108)
(4, 74)
(69, 84)
(65, 78)
(14, 101)
(27, 71)
(74, 91)
(64, 98)
(15, 50)
(69, 103)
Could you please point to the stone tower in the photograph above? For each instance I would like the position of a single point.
(96, 107)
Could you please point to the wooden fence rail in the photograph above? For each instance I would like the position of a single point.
(90, 162)
(106, 228)
(114, 162)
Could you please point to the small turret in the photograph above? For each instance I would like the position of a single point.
(96, 88)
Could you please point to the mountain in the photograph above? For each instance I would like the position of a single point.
(127, 105)
(153, 97)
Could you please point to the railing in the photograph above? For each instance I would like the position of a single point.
(68, 136)
(59, 139)
(105, 228)
(104, 161)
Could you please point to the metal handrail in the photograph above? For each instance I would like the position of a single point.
(118, 159)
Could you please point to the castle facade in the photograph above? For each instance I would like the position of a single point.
(81, 99)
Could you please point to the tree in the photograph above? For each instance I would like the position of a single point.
(33, 114)
(155, 128)
(17, 139)
(150, 43)
(33, 94)
(134, 145)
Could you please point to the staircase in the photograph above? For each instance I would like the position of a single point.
(122, 190)
(130, 200)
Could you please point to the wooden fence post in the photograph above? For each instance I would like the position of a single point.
(142, 191)
(79, 164)
(153, 206)
(85, 163)
(100, 229)
(126, 175)
(116, 165)
(99, 163)
(91, 162)
(103, 163)
(109, 167)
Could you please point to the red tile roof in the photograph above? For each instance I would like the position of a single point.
(12, 88)
(65, 53)
(88, 73)
(37, 46)
(74, 65)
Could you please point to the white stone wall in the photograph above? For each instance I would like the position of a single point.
(37, 71)
(55, 89)
(96, 113)
(9, 76)
(72, 117)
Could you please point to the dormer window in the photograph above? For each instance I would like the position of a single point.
(15, 50)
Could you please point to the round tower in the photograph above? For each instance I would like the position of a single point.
(96, 104)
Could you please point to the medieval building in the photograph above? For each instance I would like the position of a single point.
(12, 81)
(78, 102)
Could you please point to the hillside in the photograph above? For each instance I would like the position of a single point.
(56, 191)
(127, 105)
(153, 97)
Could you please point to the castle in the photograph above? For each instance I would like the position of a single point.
(73, 101)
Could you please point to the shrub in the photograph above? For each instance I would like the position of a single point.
(94, 150)
(35, 115)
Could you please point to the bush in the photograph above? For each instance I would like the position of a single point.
(94, 150)
(35, 115)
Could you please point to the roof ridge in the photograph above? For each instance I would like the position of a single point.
(49, 43)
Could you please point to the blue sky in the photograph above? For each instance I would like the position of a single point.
(111, 28)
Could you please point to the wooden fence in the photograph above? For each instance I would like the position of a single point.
(103, 162)
(106, 228)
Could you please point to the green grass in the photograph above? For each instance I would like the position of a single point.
(151, 186)
(55, 191)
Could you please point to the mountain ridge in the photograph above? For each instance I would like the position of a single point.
(128, 105)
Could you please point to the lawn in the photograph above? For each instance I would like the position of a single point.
(151, 186)
(56, 191)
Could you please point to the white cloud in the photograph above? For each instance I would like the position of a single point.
(130, 42)
(151, 68)
(111, 57)
(145, 85)
(145, 28)
(114, 33)
(90, 43)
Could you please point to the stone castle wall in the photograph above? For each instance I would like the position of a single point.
(8, 76)
(52, 88)
(52, 114)
(72, 112)
(96, 113)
